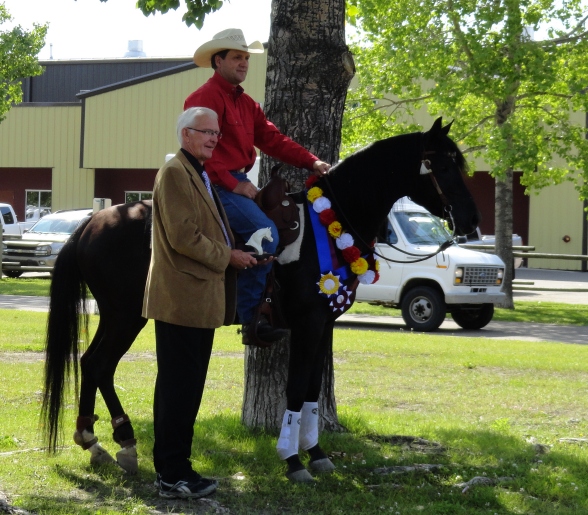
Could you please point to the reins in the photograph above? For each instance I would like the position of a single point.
(425, 169)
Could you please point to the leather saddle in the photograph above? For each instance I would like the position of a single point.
(278, 206)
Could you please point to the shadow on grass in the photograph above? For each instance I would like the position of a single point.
(368, 478)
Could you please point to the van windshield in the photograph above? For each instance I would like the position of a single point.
(422, 228)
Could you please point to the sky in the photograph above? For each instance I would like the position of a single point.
(93, 29)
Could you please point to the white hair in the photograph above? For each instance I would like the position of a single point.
(189, 116)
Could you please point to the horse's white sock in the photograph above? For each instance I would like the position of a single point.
(288, 440)
(309, 432)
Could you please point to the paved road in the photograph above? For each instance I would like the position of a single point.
(530, 284)
(494, 330)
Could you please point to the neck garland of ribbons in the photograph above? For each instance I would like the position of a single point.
(333, 272)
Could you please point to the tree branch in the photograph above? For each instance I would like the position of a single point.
(542, 93)
(568, 38)
(479, 124)
(460, 35)
(473, 149)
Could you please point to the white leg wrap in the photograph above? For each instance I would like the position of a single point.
(309, 432)
(288, 440)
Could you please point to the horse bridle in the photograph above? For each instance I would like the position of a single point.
(425, 169)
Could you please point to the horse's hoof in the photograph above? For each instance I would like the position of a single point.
(99, 456)
(300, 476)
(127, 459)
(322, 465)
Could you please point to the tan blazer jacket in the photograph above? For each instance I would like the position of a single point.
(190, 282)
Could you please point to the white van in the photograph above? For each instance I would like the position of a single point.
(426, 284)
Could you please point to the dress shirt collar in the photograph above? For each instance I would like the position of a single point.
(193, 161)
(226, 86)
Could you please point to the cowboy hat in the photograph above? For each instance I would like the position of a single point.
(230, 39)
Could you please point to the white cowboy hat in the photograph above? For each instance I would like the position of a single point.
(230, 39)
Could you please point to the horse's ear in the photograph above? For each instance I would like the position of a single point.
(445, 129)
(437, 125)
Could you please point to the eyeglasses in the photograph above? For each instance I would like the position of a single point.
(209, 132)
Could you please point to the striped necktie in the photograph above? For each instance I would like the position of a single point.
(209, 189)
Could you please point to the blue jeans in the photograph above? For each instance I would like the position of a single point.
(245, 218)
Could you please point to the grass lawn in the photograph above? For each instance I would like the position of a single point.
(490, 409)
(534, 312)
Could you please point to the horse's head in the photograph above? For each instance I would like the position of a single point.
(440, 186)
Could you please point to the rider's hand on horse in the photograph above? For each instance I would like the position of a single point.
(247, 189)
(242, 260)
(321, 168)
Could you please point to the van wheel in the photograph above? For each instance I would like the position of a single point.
(12, 273)
(473, 317)
(423, 309)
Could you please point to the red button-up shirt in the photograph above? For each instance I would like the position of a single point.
(244, 125)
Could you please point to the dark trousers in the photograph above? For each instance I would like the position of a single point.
(183, 354)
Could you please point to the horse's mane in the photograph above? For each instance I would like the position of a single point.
(380, 150)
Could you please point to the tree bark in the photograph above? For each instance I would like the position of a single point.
(309, 69)
(503, 232)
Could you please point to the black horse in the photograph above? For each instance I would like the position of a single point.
(110, 255)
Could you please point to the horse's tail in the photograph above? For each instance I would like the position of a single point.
(67, 318)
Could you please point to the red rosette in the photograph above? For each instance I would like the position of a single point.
(309, 183)
(351, 254)
(327, 216)
(377, 277)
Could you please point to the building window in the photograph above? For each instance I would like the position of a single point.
(134, 196)
(37, 202)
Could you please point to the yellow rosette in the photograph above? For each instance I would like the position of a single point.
(335, 229)
(314, 193)
(329, 283)
(359, 266)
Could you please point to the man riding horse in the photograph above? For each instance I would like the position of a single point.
(243, 125)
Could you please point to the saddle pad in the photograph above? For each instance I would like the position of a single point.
(291, 252)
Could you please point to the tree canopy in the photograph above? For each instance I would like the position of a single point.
(196, 10)
(512, 73)
(18, 58)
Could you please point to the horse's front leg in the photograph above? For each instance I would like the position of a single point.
(309, 346)
(309, 423)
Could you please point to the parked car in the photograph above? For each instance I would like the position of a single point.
(477, 238)
(465, 283)
(39, 247)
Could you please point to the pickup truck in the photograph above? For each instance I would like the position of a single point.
(39, 247)
(426, 284)
(11, 227)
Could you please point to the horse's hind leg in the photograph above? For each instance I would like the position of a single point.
(98, 369)
(84, 434)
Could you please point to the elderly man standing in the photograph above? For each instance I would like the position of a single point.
(190, 291)
(244, 126)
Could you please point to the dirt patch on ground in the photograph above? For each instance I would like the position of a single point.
(34, 357)
(5, 507)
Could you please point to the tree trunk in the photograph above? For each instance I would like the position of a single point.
(309, 69)
(503, 232)
(503, 199)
